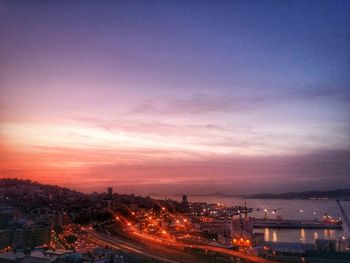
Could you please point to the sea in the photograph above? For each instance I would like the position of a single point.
(287, 209)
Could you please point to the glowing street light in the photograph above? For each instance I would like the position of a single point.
(265, 215)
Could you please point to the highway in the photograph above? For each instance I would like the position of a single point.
(113, 241)
(117, 243)
(233, 253)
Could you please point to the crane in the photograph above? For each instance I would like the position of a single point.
(346, 219)
(346, 229)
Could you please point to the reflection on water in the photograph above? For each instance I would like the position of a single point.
(295, 235)
(329, 234)
(267, 234)
(302, 235)
(274, 236)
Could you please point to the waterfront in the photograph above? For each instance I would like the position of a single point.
(287, 209)
(125, 226)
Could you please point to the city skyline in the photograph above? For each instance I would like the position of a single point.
(202, 97)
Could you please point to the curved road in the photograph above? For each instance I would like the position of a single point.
(117, 242)
(130, 247)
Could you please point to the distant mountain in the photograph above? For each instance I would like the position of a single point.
(342, 194)
(12, 183)
(220, 195)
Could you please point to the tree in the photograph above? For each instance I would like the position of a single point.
(58, 229)
(71, 239)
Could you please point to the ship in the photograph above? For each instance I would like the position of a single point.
(327, 222)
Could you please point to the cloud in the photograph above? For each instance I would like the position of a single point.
(227, 103)
(196, 104)
(143, 172)
(338, 93)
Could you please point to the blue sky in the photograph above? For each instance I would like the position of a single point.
(103, 88)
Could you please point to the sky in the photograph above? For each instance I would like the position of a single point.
(176, 97)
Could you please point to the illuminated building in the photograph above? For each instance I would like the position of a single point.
(32, 235)
(241, 231)
(184, 204)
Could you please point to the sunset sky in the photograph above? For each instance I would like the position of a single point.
(176, 96)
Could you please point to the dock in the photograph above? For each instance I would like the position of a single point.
(295, 224)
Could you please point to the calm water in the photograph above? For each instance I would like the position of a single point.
(287, 209)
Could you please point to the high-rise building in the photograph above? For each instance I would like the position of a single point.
(110, 191)
(184, 204)
(32, 235)
(5, 238)
(6, 216)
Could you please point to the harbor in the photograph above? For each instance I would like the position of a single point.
(294, 211)
(296, 224)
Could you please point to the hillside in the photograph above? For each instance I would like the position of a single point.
(342, 194)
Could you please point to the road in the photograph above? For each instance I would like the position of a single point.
(233, 253)
(117, 243)
(112, 241)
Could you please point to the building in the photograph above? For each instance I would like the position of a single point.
(30, 236)
(110, 191)
(99, 255)
(5, 238)
(242, 231)
(40, 256)
(6, 216)
(184, 204)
